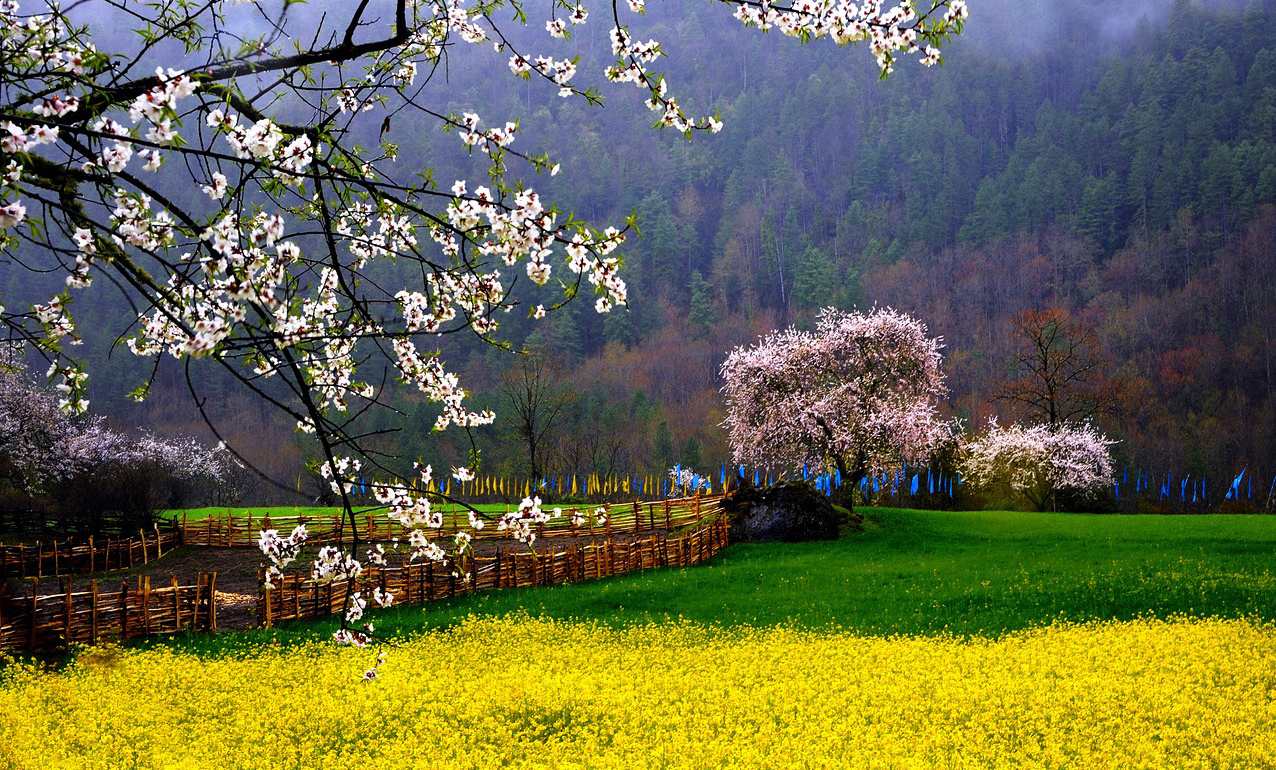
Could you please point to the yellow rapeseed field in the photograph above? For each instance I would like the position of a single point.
(520, 692)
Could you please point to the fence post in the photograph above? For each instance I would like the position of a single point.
(212, 602)
(266, 603)
(66, 618)
(35, 605)
(91, 554)
(93, 613)
(177, 604)
(159, 542)
(123, 610)
(146, 601)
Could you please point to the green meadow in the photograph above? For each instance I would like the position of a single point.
(910, 572)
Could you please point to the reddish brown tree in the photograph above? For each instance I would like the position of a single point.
(1060, 370)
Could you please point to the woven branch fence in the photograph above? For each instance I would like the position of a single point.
(297, 597)
(30, 622)
(70, 558)
(228, 531)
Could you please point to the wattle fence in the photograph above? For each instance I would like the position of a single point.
(297, 597)
(620, 518)
(31, 622)
(678, 533)
(71, 558)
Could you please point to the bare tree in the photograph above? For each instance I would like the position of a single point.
(537, 396)
(1060, 370)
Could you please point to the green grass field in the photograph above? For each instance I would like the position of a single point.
(912, 572)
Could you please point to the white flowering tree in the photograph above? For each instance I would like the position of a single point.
(274, 273)
(1039, 461)
(191, 471)
(68, 460)
(858, 395)
(40, 444)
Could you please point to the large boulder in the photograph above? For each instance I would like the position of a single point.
(789, 512)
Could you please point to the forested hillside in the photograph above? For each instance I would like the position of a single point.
(1118, 165)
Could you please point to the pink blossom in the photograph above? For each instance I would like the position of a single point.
(859, 393)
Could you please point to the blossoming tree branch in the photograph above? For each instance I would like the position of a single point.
(271, 274)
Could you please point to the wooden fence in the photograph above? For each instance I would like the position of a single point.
(70, 558)
(31, 622)
(229, 531)
(297, 597)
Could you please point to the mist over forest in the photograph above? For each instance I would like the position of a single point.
(1116, 161)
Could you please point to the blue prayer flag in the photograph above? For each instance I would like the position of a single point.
(1235, 491)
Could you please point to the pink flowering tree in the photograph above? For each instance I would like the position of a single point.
(858, 395)
(285, 126)
(1039, 461)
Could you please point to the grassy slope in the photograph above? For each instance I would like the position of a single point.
(922, 572)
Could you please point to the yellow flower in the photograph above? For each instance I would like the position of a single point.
(519, 692)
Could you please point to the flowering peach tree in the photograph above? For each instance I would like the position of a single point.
(1039, 461)
(270, 264)
(859, 395)
(43, 448)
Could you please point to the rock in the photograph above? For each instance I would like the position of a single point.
(789, 512)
